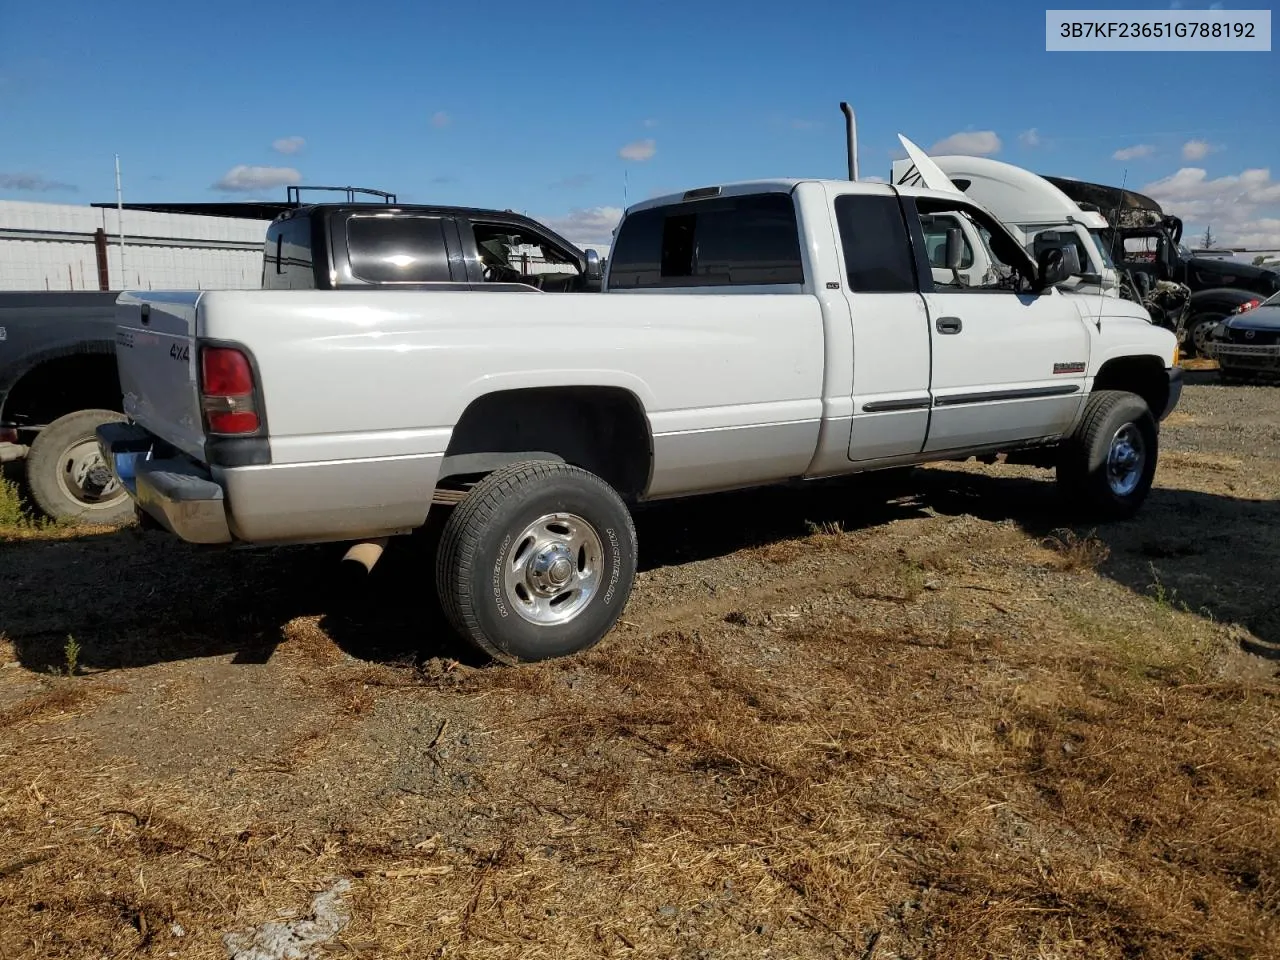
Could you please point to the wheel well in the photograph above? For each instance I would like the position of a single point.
(1144, 376)
(600, 429)
(62, 385)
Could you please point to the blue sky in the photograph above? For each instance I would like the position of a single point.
(541, 107)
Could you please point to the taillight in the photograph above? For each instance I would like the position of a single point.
(228, 393)
(1247, 306)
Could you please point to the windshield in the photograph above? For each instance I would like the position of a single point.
(1100, 242)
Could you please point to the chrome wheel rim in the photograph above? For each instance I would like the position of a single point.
(85, 477)
(553, 569)
(1125, 460)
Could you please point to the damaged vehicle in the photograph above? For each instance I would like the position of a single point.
(1146, 243)
(1247, 344)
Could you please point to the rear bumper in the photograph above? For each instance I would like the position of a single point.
(178, 494)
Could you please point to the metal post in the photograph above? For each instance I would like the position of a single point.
(120, 221)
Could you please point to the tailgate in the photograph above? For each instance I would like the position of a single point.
(157, 356)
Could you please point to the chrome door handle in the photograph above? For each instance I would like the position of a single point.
(948, 325)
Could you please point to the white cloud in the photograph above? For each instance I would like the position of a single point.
(639, 151)
(440, 119)
(1243, 209)
(873, 178)
(288, 145)
(1197, 149)
(651, 123)
(1134, 153)
(1029, 138)
(801, 124)
(587, 227)
(33, 183)
(974, 143)
(246, 179)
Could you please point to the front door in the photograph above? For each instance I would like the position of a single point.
(890, 328)
(1008, 365)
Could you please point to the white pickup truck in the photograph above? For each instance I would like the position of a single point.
(748, 334)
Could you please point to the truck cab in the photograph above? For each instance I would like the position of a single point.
(1033, 208)
(331, 246)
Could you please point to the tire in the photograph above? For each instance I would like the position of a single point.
(1092, 479)
(66, 476)
(1197, 332)
(506, 594)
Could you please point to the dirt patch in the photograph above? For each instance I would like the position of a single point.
(936, 725)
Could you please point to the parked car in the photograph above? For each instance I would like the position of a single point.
(58, 384)
(733, 346)
(1247, 344)
(331, 246)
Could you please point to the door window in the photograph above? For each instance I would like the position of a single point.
(1007, 264)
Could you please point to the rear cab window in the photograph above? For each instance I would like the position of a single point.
(738, 241)
(287, 259)
(386, 249)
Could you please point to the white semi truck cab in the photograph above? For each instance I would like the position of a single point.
(1036, 211)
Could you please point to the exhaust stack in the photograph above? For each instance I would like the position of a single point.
(851, 132)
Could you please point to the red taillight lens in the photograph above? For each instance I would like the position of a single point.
(232, 421)
(228, 391)
(225, 373)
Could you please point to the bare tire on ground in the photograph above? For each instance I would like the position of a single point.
(537, 562)
(1107, 466)
(67, 476)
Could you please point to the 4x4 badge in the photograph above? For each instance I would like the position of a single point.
(1074, 367)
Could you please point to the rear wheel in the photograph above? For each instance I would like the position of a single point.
(1107, 466)
(537, 562)
(1196, 340)
(67, 476)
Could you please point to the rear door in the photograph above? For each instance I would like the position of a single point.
(1006, 365)
(891, 344)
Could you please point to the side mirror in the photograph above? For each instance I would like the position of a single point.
(1055, 263)
(592, 273)
(954, 251)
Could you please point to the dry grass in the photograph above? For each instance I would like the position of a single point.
(903, 740)
(1074, 552)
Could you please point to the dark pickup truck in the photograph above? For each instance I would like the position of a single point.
(328, 246)
(58, 379)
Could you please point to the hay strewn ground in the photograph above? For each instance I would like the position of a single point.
(936, 727)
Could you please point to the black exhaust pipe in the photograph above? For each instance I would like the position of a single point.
(851, 132)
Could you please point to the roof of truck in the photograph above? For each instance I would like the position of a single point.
(739, 188)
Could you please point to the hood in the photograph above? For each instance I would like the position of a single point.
(1259, 318)
(1212, 272)
(1133, 208)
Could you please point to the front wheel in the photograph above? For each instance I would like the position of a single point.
(67, 476)
(1108, 465)
(537, 562)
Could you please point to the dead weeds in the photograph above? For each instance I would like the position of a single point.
(913, 741)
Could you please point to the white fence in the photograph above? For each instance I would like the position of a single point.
(47, 246)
